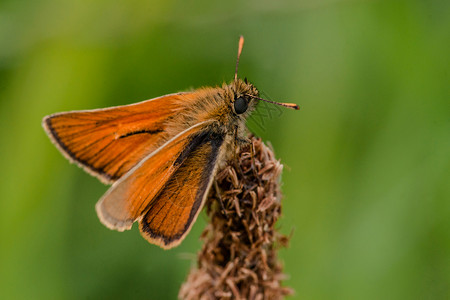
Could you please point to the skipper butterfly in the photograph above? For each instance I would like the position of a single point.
(160, 155)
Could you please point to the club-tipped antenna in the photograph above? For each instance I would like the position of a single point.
(241, 44)
(288, 105)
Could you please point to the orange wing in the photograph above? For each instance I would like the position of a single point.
(108, 142)
(133, 194)
(170, 216)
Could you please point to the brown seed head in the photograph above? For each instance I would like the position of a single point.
(239, 257)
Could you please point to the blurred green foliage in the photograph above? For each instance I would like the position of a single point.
(366, 182)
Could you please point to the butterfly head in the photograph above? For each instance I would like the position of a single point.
(242, 97)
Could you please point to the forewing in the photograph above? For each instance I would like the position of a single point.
(171, 214)
(129, 197)
(109, 142)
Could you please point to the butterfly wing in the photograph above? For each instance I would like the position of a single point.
(171, 214)
(108, 142)
(146, 185)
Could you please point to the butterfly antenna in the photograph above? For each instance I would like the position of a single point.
(288, 105)
(241, 44)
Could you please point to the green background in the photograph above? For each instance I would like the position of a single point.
(366, 181)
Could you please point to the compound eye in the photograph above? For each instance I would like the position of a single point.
(240, 105)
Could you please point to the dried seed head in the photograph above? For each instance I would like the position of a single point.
(239, 257)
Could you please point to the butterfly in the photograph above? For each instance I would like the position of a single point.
(160, 155)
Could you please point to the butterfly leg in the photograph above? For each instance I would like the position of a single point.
(239, 144)
(252, 157)
(219, 196)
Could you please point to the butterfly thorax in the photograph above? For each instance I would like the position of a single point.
(218, 106)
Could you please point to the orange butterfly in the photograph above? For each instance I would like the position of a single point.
(160, 155)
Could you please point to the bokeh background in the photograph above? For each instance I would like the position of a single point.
(366, 182)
